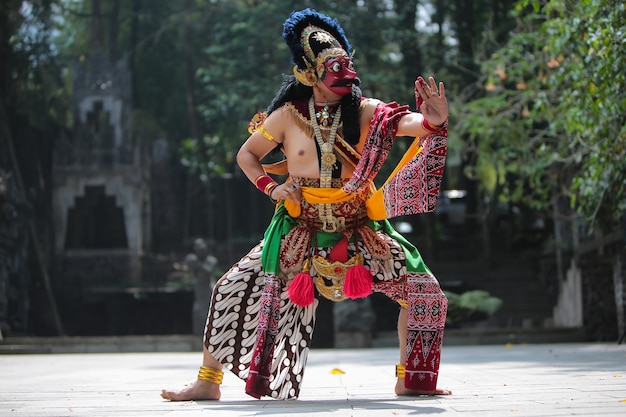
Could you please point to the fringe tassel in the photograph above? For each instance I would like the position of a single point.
(358, 282)
(301, 290)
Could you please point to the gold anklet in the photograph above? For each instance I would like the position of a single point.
(210, 375)
(400, 371)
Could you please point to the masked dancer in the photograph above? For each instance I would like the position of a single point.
(330, 235)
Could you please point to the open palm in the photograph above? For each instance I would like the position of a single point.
(431, 101)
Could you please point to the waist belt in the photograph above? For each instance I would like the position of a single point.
(332, 223)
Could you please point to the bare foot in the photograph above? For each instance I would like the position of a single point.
(401, 390)
(198, 390)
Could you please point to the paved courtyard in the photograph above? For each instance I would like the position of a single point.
(494, 380)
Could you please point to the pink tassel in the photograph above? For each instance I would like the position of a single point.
(301, 290)
(358, 283)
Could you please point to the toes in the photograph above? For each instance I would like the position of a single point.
(171, 395)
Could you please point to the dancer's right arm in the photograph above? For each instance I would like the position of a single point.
(256, 147)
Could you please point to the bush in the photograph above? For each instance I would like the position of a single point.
(470, 306)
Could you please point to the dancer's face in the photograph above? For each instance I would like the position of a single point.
(338, 74)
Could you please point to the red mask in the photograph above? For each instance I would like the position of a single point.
(338, 74)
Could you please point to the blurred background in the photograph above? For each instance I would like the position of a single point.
(121, 203)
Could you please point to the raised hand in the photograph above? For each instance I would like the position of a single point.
(430, 101)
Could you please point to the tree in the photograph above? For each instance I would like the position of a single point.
(31, 106)
(552, 123)
(202, 68)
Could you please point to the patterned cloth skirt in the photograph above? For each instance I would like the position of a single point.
(231, 328)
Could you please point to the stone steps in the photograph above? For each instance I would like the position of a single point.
(494, 336)
(193, 343)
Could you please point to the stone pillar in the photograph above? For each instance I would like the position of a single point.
(568, 311)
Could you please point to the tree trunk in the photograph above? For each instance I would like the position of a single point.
(96, 25)
(134, 40)
(114, 25)
(407, 16)
(190, 73)
(438, 18)
(34, 234)
(464, 22)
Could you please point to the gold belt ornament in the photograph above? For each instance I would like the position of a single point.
(333, 224)
(330, 223)
(335, 272)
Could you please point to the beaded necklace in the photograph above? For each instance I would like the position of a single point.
(328, 157)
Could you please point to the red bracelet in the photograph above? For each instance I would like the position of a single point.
(431, 128)
(265, 183)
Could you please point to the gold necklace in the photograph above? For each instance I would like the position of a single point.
(328, 157)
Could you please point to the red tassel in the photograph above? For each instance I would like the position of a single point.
(358, 283)
(301, 290)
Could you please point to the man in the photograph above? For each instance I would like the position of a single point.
(330, 231)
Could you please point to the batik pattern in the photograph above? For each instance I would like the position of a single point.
(233, 326)
(241, 308)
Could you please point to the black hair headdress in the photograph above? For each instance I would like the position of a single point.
(298, 21)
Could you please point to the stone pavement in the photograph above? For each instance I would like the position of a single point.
(495, 380)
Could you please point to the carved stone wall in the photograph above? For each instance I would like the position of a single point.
(101, 202)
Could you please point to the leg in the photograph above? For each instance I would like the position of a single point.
(199, 389)
(206, 390)
(402, 336)
(232, 331)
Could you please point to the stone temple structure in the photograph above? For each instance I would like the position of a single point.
(101, 196)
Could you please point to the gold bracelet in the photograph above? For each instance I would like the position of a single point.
(400, 370)
(269, 187)
(210, 375)
(269, 192)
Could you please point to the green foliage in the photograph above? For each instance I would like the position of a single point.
(148, 36)
(553, 115)
(227, 57)
(469, 306)
(31, 84)
(240, 68)
(202, 68)
(206, 158)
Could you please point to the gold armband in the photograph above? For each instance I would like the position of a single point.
(256, 125)
(263, 131)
